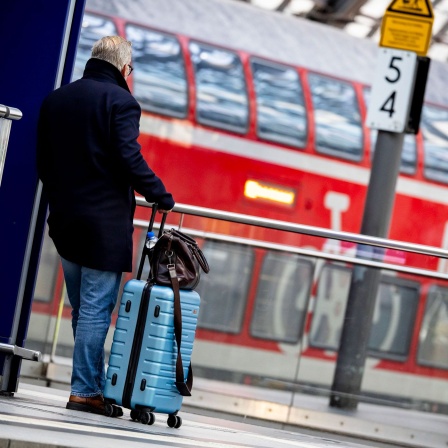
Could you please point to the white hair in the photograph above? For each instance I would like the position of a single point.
(113, 49)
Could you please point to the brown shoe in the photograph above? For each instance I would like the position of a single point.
(95, 405)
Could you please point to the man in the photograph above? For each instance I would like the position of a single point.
(89, 162)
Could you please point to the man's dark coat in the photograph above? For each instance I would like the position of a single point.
(89, 162)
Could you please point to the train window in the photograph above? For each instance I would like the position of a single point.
(329, 308)
(221, 94)
(393, 318)
(224, 290)
(433, 341)
(337, 118)
(435, 138)
(409, 152)
(282, 298)
(160, 83)
(93, 28)
(281, 115)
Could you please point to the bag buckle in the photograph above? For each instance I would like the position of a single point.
(172, 270)
(169, 254)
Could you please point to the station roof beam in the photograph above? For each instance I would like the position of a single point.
(335, 12)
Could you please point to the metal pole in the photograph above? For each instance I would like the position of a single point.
(364, 284)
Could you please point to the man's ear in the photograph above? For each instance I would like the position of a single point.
(124, 71)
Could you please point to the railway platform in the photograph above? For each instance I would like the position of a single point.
(36, 418)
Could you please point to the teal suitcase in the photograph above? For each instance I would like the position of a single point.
(142, 366)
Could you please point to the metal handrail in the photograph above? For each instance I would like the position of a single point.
(10, 113)
(310, 253)
(296, 228)
(304, 229)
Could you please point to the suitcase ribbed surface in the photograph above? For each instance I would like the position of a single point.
(153, 384)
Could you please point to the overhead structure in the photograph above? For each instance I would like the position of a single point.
(335, 12)
(361, 18)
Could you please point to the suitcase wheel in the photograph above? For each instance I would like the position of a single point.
(109, 410)
(144, 417)
(147, 418)
(117, 411)
(174, 421)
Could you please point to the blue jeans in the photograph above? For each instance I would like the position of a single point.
(92, 295)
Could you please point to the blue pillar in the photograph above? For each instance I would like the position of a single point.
(38, 48)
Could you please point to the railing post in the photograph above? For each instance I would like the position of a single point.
(7, 114)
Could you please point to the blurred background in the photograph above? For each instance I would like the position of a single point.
(257, 108)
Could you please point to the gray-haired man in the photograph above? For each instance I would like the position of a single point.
(90, 163)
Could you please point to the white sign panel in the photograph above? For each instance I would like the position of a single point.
(392, 90)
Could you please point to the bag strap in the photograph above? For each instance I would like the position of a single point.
(183, 387)
(201, 259)
(183, 236)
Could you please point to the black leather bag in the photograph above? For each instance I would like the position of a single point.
(175, 249)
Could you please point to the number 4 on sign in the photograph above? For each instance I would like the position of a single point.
(392, 90)
(388, 106)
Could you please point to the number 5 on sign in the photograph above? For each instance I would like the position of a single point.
(392, 90)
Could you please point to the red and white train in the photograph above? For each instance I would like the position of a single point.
(253, 112)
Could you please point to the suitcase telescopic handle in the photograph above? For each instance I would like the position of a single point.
(162, 224)
(154, 209)
(145, 250)
(153, 217)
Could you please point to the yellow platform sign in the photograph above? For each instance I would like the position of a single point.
(407, 25)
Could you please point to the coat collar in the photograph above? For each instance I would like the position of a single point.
(104, 71)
